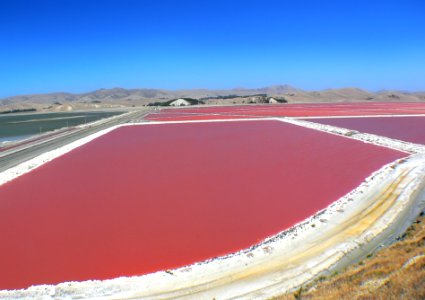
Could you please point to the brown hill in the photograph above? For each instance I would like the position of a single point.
(119, 97)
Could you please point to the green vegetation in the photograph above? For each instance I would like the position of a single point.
(251, 99)
(232, 97)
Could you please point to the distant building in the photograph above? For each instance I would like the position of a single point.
(275, 100)
(180, 102)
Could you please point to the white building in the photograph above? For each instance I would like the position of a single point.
(180, 102)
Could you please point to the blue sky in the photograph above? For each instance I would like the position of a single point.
(78, 46)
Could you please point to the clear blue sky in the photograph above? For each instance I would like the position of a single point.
(77, 46)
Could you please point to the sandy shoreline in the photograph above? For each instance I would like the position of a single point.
(360, 221)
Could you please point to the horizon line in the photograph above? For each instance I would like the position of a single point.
(289, 86)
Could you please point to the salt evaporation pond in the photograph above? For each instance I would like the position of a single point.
(145, 198)
(410, 129)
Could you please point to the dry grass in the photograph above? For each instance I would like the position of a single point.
(396, 272)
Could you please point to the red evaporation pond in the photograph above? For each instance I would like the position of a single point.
(410, 129)
(153, 197)
(189, 117)
(290, 110)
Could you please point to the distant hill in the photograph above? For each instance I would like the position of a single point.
(119, 97)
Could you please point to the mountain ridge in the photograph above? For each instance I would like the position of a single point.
(121, 97)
